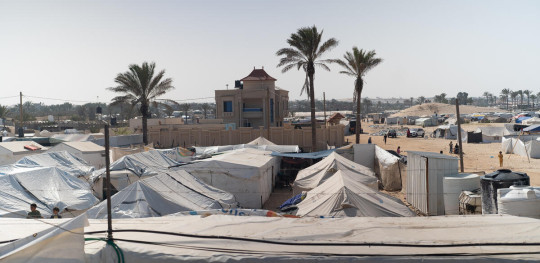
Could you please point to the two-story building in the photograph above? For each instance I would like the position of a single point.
(253, 101)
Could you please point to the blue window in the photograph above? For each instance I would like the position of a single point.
(227, 106)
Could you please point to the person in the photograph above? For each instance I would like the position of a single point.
(451, 147)
(408, 133)
(398, 150)
(441, 152)
(34, 213)
(500, 159)
(384, 138)
(369, 140)
(55, 214)
(456, 148)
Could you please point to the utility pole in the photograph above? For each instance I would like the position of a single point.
(21, 129)
(268, 113)
(108, 183)
(459, 137)
(324, 107)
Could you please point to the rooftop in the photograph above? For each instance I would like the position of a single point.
(18, 146)
(258, 74)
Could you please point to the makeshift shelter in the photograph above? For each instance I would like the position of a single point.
(315, 175)
(521, 119)
(166, 193)
(249, 174)
(493, 134)
(86, 150)
(52, 187)
(449, 132)
(260, 143)
(12, 151)
(63, 160)
(528, 146)
(74, 137)
(343, 195)
(424, 122)
(389, 169)
(131, 168)
(121, 140)
(531, 121)
(392, 120)
(14, 199)
(532, 129)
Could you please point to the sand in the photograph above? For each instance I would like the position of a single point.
(429, 109)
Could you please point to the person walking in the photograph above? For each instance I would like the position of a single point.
(399, 150)
(500, 159)
(369, 140)
(451, 147)
(384, 138)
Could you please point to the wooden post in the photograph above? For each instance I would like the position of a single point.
(268, 113)
(324, 107)
(459, 137)
(20, 110)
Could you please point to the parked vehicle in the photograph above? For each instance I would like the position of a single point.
(392, 134)
(417, 132)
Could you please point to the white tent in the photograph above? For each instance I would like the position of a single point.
(523, 145)
(249, 174)
(318, 173)
(166, 193)
(131, 168)
(531, 121)
(389, 169)
(493, 134)
(86, 150)
(260, 143)
(62, 160)
(14, 200)
(450, 132)
(343, 195)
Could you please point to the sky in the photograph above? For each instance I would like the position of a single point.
(56, 51)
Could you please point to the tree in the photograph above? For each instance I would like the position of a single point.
(506, 93)
(185, 108)
(141, 87)
(421, 100)
(514, 95)
(528, 93)
(441, 98)
(533, 98)
(356, 64)
(463, 98)
(205, 107)
(4, 110)
(487, 95)
(520, 93)
(305, 53)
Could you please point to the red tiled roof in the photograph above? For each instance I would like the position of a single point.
(336, 116)
(258, 74)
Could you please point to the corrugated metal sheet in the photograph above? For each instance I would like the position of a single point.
(425, 173)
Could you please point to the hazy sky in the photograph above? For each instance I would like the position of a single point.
(72, 50)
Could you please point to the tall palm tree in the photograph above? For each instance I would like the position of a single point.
(305, 53)
(486, 94)
(4, 110)
(506, 93)
(533, 98)
(356, 64)
(528, 93)
(520, 93)
(140, 86)
(205, 107)
(514, 95)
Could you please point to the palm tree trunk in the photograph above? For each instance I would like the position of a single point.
(313, 120)
(144, 112)
(359, 86)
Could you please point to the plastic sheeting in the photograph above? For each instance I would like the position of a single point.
(15, 201)
(343, 195)
(232, 212)
(166, 193)
(63, 160)
(389, 169)
(318, 173)
(249, 174)
(44, 243)
(450, 132)
(313, 155)
(362, 231)
(255, 144)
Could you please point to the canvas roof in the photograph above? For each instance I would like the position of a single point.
(62, 160)
(74, 137)
(433, 155)
(85, 146)
(493, 131)
(318, 173)
(532, 128)
(343, 195)
(17, 147)
(261, 141)
(166, 193)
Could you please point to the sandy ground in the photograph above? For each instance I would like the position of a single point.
(477, 157)
(440, 108)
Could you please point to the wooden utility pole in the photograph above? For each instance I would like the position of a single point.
(268, 113)
(20, 110)
(459, 137)
(324, 107)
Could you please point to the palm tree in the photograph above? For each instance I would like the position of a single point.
(4, 110)
(141, 87)
(506, 93)
(205, 107)
(514, 95)
(486, 94)
(533, 98)
(520, 93)
(528, 93)
(356, 64)
(305, 53)
(185, 108)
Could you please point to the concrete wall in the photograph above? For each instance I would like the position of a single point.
(137, 123)
(186, 136)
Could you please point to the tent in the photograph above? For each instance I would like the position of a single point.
(424, 122)
(166, 193)
(388, 168)
(52, 186)
(131, 168)
(249, 174)
(521, 119)
(531, 121)
(260, 143)
(449, 132)
(86, 150)
(493, 134)
(15, 200)
(528, 146)
(315, 175)
(533, 128)
(63, 160)
(343, 195)
(313, 155)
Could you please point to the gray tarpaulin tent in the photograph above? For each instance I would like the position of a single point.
(166, 193)
(62, 160)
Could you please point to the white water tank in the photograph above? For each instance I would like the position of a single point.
(453, 185)
(519, 201)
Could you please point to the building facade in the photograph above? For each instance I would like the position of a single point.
(255, 101)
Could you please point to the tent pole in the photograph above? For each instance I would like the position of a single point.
(459, 137)
(108, 182)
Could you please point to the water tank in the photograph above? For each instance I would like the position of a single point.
(519, 201)
(499, 179)
(453, 185)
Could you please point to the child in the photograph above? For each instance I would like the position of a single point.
(34, 213)
(55, 214)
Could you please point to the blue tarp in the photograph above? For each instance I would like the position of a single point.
(315, 155)
(532, 128)
(521, 119)
(292, 201)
